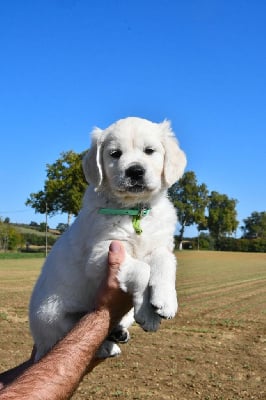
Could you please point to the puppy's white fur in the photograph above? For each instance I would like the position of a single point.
(76, 265)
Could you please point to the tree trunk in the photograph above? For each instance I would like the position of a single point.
(69, 217)
(181, 235)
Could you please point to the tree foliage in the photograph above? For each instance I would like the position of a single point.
(62, 227)
(190, 200)
(222, 215)
(63, 188)
(194, 205)
(10, 238)
(255, 225)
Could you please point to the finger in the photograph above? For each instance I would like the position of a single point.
(116, 254)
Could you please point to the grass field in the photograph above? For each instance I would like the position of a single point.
(213, 350)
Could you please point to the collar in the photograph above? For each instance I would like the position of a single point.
(136, 213)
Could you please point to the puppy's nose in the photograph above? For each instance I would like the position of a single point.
(136, 172)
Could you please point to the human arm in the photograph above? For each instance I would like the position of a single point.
(57, 375)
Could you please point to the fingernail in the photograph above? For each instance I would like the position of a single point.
(115, 247)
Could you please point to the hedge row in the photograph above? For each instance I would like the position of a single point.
(248, 245)
(38, 240)
(228, 244)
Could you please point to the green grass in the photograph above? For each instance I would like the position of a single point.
(20, 255)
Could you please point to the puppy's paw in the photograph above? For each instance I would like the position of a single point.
(164, 304)
(119, 335)
(147, 318)
(108, 349)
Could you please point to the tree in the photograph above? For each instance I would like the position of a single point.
(255, 225)
(63, 188)
(34, 224)
(190, 201)
(43, 227)
(221, 215)
(10, 238)
(61, 227)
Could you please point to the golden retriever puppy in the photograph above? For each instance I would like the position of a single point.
(130, 166)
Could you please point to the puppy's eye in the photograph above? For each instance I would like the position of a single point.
(116, 153)
(149, 150)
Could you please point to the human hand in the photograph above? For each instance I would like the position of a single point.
(110, 296)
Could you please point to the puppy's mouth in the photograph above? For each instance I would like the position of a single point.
(136, 188)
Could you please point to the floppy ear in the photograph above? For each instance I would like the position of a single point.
(92, 161)
(174, 159)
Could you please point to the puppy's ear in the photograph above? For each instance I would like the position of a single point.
(92, 161)
(174, 160)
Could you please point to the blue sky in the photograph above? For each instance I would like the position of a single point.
(68, 65)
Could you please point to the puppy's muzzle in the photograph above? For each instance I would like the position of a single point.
(135, 178)
(135, 172)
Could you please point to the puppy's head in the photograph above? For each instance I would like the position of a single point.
(134, 159)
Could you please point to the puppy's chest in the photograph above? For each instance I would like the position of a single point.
(142, 235)
(131, 226)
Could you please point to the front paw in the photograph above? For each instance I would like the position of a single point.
(119, 335)
(108, 349)
(147, 318)
(164, 302)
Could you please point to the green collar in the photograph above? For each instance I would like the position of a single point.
(136, 213)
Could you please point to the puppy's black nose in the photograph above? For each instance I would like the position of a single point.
(135, 172)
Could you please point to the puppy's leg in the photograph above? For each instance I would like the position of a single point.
(120, 333)
(134, 276)
(162, 283)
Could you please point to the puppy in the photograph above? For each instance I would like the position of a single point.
(130, 166)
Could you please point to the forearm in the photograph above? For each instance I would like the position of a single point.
(58, 374)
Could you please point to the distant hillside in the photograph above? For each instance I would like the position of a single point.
(23, 237)
(27, 229)
(33, 238)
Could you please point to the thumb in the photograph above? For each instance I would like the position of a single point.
(116, 254)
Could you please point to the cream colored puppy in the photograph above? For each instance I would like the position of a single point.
(130, 166)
